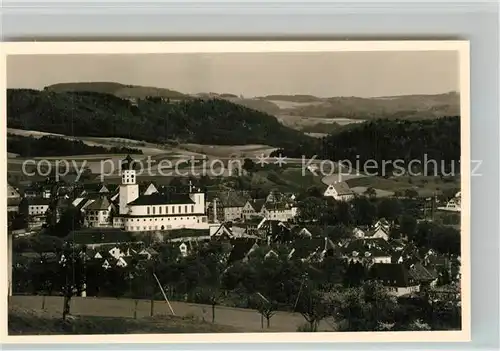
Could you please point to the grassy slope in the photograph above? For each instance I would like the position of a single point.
(30, 322)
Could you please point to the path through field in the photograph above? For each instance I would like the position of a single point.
(242, 319)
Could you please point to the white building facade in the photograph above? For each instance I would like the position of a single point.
(156, 211)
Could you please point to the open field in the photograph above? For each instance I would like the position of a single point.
(340, 177)
(155, 150)
(35, 322)
(317, 135)
(424, 185)
(249, 150)
(242, 319)
(282, 104)
(300, 122)
(360, 190)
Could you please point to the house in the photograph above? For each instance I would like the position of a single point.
(121, 262)
(425, 276)
(253, 226)
(454, 204)
(221, 232)
(275, 230)
(271, 254)
(32, 191)
(278, 206)
(47, 191)
(148, 189)
(186, 247)
(98, 212)
(157, 211)
(379, 232)
(106, 264)
(277, 196)
(228, 206)
(241, 250)
(395, 277)
(90, 189)
(252, 208)
(382, 223)
(380, 229)
(358, 233)
(116, 253)
(407, 254)
(13, 199)
(340, 191)
(367, 251)
(302, 232)
(312, 249)
(146, 253)
(36, 208)
(279, 211)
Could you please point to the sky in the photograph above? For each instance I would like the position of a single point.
(362, 74)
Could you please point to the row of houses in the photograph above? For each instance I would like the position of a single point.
(399, 265)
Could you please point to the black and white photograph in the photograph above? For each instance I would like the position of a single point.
(238, 188)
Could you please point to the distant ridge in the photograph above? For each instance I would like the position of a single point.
(118, 89)
(410, 107)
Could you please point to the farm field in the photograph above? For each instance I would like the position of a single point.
(424, 185)
(245, 320)
(360, 190)
(299, 122)
(283, 104)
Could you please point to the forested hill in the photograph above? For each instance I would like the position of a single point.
(389, 140)
(153, 119)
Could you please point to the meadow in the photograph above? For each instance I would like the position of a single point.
(228, 318)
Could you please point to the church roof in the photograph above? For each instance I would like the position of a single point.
(102, 203)
(341, 188)
(162, 199)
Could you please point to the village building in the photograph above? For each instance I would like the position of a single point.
(312, 249)
(340, 191)
(279, 211)
(395, 277)
(228, 206)
(37, 209)
(99, 213)
(241, 250)
(252, 208)
(368, 251)
(454, 204)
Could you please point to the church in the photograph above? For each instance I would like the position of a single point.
(152, 210)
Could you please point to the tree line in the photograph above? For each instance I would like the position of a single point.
(49, 146)
(206, 121)
(382, 140)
